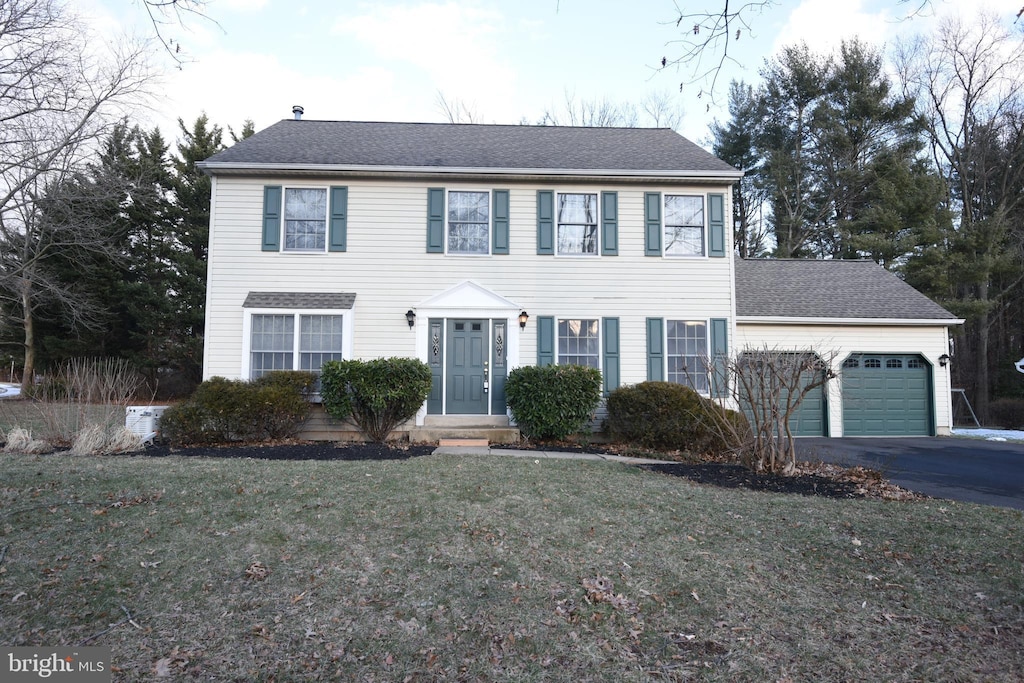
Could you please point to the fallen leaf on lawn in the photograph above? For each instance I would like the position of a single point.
(257, 571)
(19, 595)
(162, 668)
(149, 565)
(695, 596)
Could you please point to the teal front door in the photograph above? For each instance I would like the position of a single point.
(466, 371)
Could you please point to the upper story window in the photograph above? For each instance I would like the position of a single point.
(305, 219)
(684, 225)
(469, 221)
(577, 224)
(579, 342)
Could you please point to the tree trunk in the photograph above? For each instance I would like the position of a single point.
(29, 370)
(981, 371)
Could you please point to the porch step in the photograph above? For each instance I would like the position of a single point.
(482, 435)
(460, 421)
(463, 442)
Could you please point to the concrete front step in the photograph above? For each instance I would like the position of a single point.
(488, 434)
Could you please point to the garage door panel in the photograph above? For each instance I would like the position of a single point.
(886, 395)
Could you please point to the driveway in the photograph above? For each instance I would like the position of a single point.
(976, 471)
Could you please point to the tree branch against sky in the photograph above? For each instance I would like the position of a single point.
(710, 30)
(165, 14)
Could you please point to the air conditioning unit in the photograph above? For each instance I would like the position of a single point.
(144, 421)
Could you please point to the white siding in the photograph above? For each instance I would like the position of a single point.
(929, 341)
(387, 266)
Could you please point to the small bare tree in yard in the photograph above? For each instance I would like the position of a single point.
(769, 385)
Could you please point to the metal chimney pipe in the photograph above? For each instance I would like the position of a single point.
(297, 111)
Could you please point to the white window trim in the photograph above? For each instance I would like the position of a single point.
(490, 222)
(600, 336)
(704, 230)
(284, 219)
(707, 348)
(346, 332)
(597, 251)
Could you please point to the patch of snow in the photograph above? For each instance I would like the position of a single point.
(991, 434)
(9, 390)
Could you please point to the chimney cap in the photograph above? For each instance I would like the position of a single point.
(297, 111)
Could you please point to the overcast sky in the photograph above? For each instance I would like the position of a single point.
(507, 60)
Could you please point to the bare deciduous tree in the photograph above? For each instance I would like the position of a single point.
(966, 79)
(770, 385)
(61, 89)
(657, 109)
(457, 110)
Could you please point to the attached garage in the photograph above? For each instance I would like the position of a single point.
(886, 395)
(845, 311)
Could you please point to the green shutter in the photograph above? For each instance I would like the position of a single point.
(499, 222)
(655, 350)
(545, 222)
(652, 223)
(610, 223)
(339, 219)
(545, 340)
(610, 360)
(272, 218)
(716, 225)
(719, 357)
(435, 220)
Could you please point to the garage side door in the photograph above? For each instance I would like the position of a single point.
(886, 395)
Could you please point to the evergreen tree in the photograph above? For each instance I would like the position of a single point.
(192, 193)
(734, 143)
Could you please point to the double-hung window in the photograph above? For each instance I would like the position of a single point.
(288, 341)
(469, 221)
(579, 342)
(684, 225)
(305, 219)
(577, 218)
(687, 353)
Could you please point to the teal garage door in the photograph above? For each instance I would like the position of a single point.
(810, 416)
(886, 395)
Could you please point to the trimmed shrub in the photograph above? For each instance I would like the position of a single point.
(553, 401)
(1007, 413)
(671, 416)
(223, 410)
(377, 394)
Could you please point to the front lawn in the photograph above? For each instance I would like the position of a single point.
(494, 568)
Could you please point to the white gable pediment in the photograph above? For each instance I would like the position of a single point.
(469, 295)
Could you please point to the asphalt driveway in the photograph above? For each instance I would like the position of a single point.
(976, 471)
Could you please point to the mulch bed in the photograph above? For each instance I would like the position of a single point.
(313, 450)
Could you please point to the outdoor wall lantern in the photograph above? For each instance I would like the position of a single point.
(944, 360)
(410, 317)
(523, 317)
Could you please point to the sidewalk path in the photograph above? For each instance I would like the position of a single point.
(552, 455)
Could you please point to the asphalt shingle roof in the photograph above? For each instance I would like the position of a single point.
(791, 288)
(469, 146)
(324, 300)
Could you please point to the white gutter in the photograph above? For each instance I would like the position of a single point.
(790, 320)
(214, 167)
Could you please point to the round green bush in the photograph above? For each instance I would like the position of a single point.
(377, 394)
(672, 416)
(553, 401)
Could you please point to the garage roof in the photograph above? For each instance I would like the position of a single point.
(804, 288)
(444, 146)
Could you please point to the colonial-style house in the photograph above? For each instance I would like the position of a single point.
(481, 248)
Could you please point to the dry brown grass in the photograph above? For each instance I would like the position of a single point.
(484, 569)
